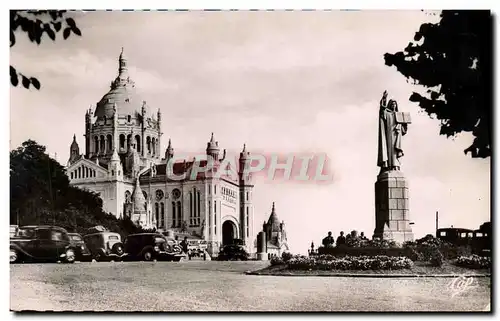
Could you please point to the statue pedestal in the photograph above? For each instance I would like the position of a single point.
(262, 256)
(392, 220)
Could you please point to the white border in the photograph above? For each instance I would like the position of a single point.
(193, 5)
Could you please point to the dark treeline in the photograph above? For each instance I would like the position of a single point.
(40, 193)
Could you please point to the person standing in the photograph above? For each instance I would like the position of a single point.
(341, 239)
(329, 240)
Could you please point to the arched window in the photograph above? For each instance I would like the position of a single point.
(96, 144)
(129, 118)
(191, 209)
(122, 141)
(179, 214)
(128, 197)
(138, 143)
(71, 175)
(94, 173)
(162, 214)
(109, 142)
(215, 218)
(129, 140)
(153, 146)
(198, 211)
(157, 214)
(174, 215)
(103, 144)
(148, 143)
(79, 172)
(248, 226)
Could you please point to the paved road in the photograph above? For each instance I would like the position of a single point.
(222, 286)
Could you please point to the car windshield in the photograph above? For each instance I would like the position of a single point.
(76, 238)
(113, 238)
(26, 232)
(58, 236)
(159, 239)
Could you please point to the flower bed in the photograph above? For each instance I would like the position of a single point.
(330, 262)
(474, 262)
(364, 251)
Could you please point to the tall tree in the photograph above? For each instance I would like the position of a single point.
(40, 193)
(36, 23)
(452, 60)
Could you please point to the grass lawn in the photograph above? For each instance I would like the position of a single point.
(419, 268)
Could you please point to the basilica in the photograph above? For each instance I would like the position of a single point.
(123, 162)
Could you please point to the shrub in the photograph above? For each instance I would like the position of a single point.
(286, 256)
(436, 258)
(277, 261)
(474, 262)
(423, 249)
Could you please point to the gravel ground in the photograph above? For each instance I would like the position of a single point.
(222, 286)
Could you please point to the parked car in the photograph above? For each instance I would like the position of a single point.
(151, 246)
(232, 252)
(197, 248)
(105, 246)
(13, 230)
(82, 252)
(41, 244)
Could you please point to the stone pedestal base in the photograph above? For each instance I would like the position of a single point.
(262, 256)
(392, 219)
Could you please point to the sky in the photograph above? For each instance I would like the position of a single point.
(280, 82)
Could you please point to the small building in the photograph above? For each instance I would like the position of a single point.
(275, 234)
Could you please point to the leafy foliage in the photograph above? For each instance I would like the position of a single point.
(35, 24)
(40, 194)
(474, 262)
(452, 59)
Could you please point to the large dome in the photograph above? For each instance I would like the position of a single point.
(126, 99)
(122, 93)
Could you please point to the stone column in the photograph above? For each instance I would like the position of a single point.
(262, 247)
(392, 207)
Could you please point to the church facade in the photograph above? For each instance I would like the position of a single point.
(123, 163)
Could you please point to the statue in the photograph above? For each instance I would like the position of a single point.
(392, 126)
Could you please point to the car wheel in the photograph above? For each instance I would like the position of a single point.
(70, 256)
(147, 255)
(97, 257)
(14, 256)
(117, 249)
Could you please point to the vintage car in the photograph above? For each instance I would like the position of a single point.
(233, 252)
(151, 246)
(82, 252)
(105, 246)
(13, 230)
(41, 244)
(197, 248)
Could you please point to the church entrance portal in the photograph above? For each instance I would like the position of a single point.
(228, 232)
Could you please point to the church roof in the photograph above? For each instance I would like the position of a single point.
(138, 198)
(122, 93)
(178, 169)
(74, 144)
(273, 221)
